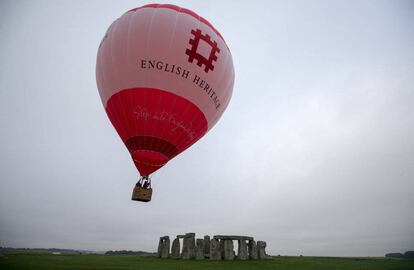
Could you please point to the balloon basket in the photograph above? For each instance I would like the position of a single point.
(141, 194)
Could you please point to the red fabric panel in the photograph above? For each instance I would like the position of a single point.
(155, 125)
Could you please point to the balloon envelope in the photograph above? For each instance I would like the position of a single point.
(165, 76)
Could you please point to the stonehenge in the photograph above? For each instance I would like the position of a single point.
(220, 247)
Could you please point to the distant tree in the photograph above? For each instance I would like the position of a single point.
(394, 255)
(409, 254)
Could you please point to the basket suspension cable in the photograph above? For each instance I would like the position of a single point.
(148, 181)
(144, 181)
(139, 183)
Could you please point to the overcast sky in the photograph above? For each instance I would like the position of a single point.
(315, 153)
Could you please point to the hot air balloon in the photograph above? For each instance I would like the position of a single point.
(165, 76)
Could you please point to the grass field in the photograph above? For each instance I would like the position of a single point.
(115, 262)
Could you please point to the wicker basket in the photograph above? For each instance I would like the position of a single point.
(141, 194)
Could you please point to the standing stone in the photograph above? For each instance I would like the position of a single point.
(165, 253)
(184, 253)
(189, 246)
(191, 243)
(199, 251)
(229, 250)
(207, 246)
(164, 247)
(160, 246)
(222, 248)
(242, 251)
(261, 247)
(215, 252)
(175, 250)
(253, 250)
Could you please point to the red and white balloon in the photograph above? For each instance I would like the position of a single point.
(165, 76)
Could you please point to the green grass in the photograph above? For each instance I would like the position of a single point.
(117, 262)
